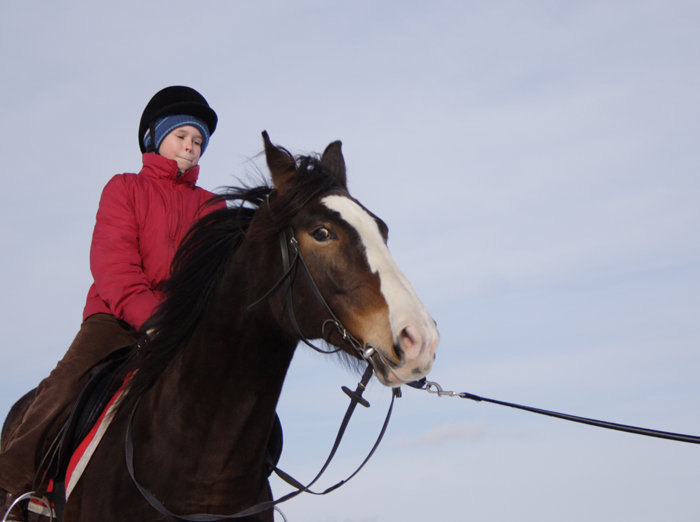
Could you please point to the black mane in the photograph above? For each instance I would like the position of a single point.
(201, 258)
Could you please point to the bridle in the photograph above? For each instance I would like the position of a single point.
(292, 259)
(290, 264)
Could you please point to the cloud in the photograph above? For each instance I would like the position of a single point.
(447, 432)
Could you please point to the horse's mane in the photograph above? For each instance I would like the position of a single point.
(201, 259)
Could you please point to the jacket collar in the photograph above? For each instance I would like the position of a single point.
(156, 166)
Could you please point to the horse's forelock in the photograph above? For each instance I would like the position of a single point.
(311, 181)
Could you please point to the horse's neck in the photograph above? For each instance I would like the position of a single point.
(219, 395)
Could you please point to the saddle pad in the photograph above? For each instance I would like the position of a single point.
(81, 457)
(87, 447)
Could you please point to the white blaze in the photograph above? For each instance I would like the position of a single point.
(405, 309)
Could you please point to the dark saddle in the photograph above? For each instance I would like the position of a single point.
(106, 380)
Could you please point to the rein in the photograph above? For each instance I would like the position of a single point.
(435, 388)
(287, 242)
(355, 398)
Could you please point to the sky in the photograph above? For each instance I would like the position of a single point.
(536, 162)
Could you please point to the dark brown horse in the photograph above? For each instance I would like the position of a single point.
(202, 401)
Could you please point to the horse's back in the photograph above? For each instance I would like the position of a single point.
(15, 416)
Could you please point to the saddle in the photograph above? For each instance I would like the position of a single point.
(97, 396)
(105, 382)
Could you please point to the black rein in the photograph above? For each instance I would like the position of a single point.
(433, 387)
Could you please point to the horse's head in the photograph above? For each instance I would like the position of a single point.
(343, 247)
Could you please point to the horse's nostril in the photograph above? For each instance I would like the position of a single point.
(410, 341)
(400, 356)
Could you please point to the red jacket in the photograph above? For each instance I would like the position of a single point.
(140, 222)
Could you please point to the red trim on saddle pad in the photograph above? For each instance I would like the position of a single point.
(87, 447)
(80, 458)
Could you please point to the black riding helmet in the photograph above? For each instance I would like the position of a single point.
(175, 100)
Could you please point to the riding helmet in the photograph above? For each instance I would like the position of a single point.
(176, 99)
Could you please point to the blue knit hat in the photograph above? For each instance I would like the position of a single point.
(167, 124)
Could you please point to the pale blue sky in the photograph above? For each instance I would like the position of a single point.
(536, 161)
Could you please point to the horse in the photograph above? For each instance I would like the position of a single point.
(293, 261)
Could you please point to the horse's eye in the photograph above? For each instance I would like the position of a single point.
(322, 234)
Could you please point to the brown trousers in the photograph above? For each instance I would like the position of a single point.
(22, 452)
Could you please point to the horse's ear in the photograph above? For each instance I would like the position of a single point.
(281, 164)
(332, 160)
